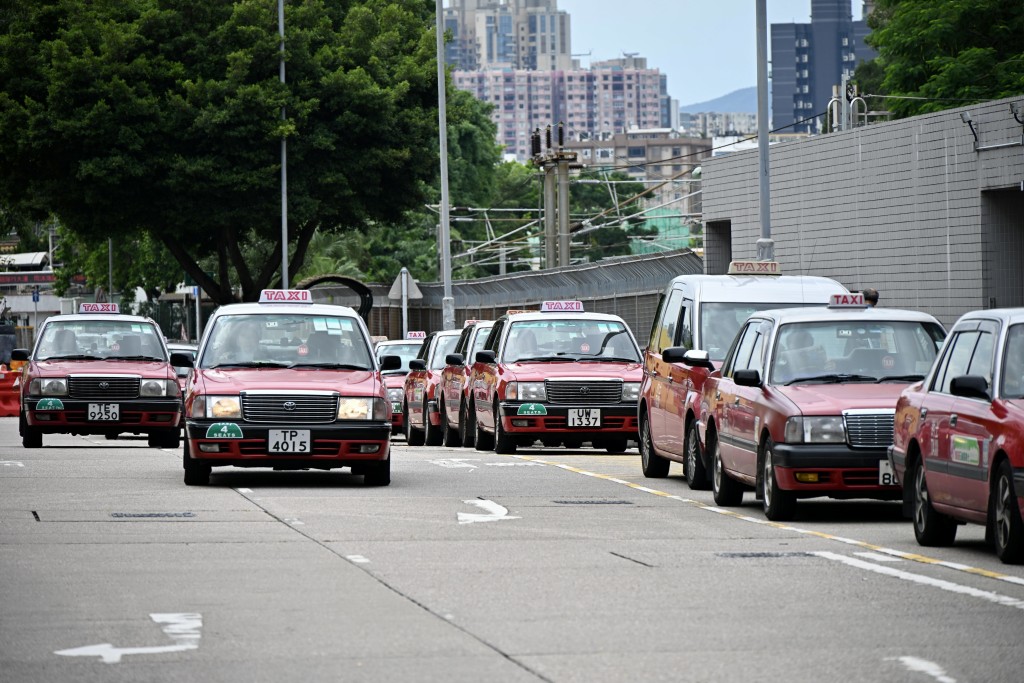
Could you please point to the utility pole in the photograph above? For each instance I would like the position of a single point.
(444, 234)
(284, 165)
(556, 165)
(765, 245)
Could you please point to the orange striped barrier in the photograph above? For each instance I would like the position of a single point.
(10, 392)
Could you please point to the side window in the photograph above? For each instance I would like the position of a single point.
(957, 359)
(685, 337)
(757, 353)
(494, 338)
(652, 343)
(741, 352)
(428, 343)
(983, 358)
(463, 342)
(667, 335)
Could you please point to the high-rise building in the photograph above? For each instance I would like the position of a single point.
(808, 59)
(513, 34)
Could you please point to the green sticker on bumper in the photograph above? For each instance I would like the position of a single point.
(224, 430)
(532, 409)
(50, 404)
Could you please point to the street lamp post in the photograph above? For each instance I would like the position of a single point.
(444, 234)
(284, 162)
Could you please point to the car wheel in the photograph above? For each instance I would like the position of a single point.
(779, 505)
(30, 437)
(431, 434)
(413, 437)
(467, 426)
(727, 491)
(111, 437)
(482, 441)
(932, 528)
(503, 443)
(196, 473)
(616, 445)
(653, 465)
(1009, 530)
(696, 473)
(449, 437)
(377, 473)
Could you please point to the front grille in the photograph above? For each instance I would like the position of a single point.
(869, 430)
(307, 408)
(97, 387)
(583, 393)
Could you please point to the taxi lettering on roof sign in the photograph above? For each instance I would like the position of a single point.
(415, 334)
(99, 308)
(561, 306)
(755, 268)
(286, 296)
(855, 300)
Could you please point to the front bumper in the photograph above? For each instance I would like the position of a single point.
(134, 415)
(336, 444)
(840, 469)
(619, 418)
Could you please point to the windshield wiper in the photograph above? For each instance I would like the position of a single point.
(901, 378)
(329, 366)
(607, 359)
(542, 359)
(74, 356)
(134, 358)
(833, 379)
(250, 364)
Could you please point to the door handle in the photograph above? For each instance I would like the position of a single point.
(952, 420)
(718, 395)
(737, 401)
(924, 413)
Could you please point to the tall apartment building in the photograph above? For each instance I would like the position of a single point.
(507, 34)
(808, 59)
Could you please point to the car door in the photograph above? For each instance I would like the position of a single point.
(678, 384)
(485, 379)
(657, 370)
(416, 384)
(729, 395)
(453, 376)
(745, 407)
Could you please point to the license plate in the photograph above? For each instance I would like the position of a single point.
(885, 474)
(104, 411)
(585, 417)
(396, 407)
(288, 441)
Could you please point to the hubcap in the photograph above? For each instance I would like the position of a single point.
(718, 467)
(691, 455)
(1003, 512)
(920, 497)
(645, 443)
(769, 478)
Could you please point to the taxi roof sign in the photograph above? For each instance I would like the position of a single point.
(514, 311)
(755, 268)
(854, 300)
(99, 308)
(286, 296)
(561, 307)
(415, 334)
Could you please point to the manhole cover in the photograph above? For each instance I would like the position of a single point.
(150, 515)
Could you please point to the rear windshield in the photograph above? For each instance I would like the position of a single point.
(404, 351)
(285, 340)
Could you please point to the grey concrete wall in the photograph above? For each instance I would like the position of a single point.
(897, 206)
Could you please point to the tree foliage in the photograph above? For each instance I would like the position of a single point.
(951, 53)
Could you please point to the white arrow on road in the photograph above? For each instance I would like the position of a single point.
(453, 463)
(495, 512)
(182, 628)
(12, 463)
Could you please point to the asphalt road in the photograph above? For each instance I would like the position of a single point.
(545, 566)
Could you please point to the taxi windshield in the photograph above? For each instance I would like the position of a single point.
(404, 351)
(1013, 363)
(286, 340)
(854, 351)
(570, 339)
(445, 345)
(96, 339)
(719, 323)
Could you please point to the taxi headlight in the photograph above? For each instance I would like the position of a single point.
(827, 429)
(159, 387)
(221, 407)
(396, 395)
(362, 408)
(198, 407)
(48, 387)
(525, 391)
(631, 391)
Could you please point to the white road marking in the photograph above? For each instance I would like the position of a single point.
(923, 666)
(11, 463)
(182, 628)
(513, 464)
(244, 490)
(294, 521)
(495, 512)
(358, 559)
(941, 584)
(453, 463)
(878, 557)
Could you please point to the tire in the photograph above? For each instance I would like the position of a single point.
(483, 441)
(169, 438)
(30, 437)
(653, 465)
(727, 491)
(431, 435)
(196, 473)
(616, 445)
(467, 426)
(932, 528)
(449, 437)
(693, 468)
(413, 437)
(1006, 521)
(779, 505)
(503, 443)
(111, 437)
(377, 473)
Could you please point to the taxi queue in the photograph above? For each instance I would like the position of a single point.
(787, 386)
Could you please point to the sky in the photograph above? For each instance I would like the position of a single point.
(707, 47)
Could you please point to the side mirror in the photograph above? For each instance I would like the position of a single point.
(390, 363)
(19, 354)
(970, 386)
(486, 357)
(454, 359)
(747, 378)
(417, 364)
(179, 360)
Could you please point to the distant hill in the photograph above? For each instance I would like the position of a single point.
(744, 100)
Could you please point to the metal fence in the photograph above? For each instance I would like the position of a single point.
(626, 286)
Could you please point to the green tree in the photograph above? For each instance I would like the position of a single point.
(950, 53)
(161, 120)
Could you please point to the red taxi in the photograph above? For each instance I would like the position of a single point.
(394, 380)
(560, 376)
(99, 372)
(803, 405)
(959, 442)
(288, 384)
(420, 410)
(454, 387)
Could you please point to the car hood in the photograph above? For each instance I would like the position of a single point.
(833, 399)
(628, 372)
(233, 380)
(145, 368)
